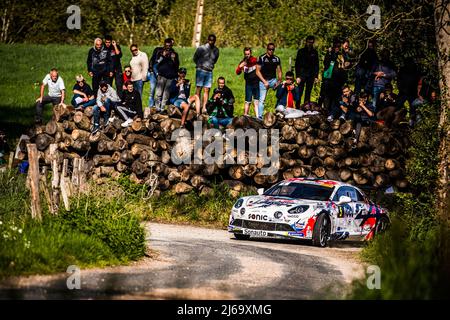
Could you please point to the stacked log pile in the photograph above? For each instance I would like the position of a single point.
(308, 147)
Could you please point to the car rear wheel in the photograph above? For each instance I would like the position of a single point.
(322, 229)
(241, 236)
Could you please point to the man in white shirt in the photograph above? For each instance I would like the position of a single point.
(139, 68)
(56, 93)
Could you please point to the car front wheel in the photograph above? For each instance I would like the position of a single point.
(322, 229)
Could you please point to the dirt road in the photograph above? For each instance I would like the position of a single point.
(200, 263)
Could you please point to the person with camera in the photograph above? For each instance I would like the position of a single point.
(205, 58)
(99, 64)
(269, 73)
(116, 54)
(248, 66)
(180, 90)
(220, 106)
(287, 94)
(307, 69)
(168, 64)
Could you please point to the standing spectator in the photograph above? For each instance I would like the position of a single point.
(269, 73)
(366, 63)
(205, 57)
(139, 68)
(116, 54)
(131, 105)
(307, 69)
(126, 76)
(334, 77)
(382, 73)
(180, 90)
(287, 93)
(248, 65)
(83, 96)
(107, 99)
(168, 64)
(220, 107)
(56, 93)
(407, 82)
(153, 70)
(346, 105)
(99, 64)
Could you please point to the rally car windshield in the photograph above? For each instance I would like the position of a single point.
(301, 191)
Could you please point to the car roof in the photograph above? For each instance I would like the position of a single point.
(320, 182)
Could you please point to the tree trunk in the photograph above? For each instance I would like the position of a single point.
(442, 18)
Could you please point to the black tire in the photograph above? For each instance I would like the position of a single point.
(322, 230)
(382, 225)
(240, 236)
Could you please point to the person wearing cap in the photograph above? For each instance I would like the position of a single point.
(56, 93)
(180, 89)
(107, 99)
(131, 105)
(83, 96)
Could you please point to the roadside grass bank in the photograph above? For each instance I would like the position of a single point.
(95, 233)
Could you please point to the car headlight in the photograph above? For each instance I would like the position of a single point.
(239, 203)
(298, 209)
(278, 214)
(242, 211)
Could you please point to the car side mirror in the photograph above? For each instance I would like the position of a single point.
(344, 199)
(260, 191)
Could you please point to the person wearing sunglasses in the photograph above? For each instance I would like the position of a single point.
(139, 68)
(83, 96)
(269, 73)
(126, 76)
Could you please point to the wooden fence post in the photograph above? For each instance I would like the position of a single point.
(65, 192)
(55, 178)
(33, 178)
(10, 160)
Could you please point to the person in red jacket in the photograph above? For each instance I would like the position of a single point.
(248, 65)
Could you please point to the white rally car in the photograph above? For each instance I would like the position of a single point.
(301, 208)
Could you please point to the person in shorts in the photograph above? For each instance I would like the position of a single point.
(248, 66)
(205, 58)
(180, 89)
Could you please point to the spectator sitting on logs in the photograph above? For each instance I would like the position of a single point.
(131, 105)
(287, 94)
(83, 96)
(220, 106)
(361, 113)
(346, 104)
(180, 89)
(106, 98)
(389, 110)
(56, 92)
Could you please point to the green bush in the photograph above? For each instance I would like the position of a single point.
(414, 255)
(109, 222)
